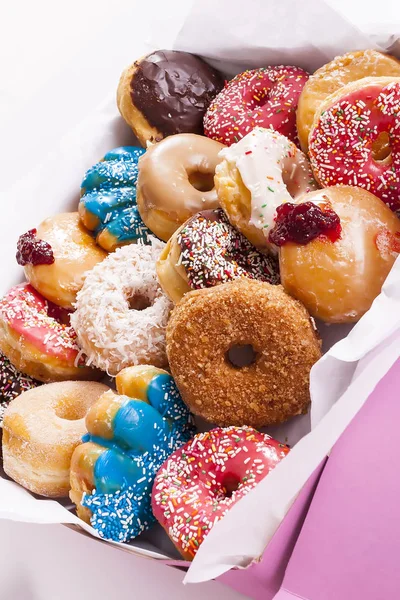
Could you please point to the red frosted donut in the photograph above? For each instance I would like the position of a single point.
(344, 131)
(265, 97)
(36, 337)
(200, 482)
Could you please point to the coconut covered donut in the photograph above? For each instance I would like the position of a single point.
(121, 311)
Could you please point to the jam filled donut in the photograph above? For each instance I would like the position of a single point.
(259, 173)
(121, 311)
(41, 429)
(130, 436)
(37, 338)
(333, 76)
(338, 274)
(166, 92)
(208, 251)
(199, 483)
(108, 199)
(57, 256)
(344, 133)
(12, 384)
(176, 180)
(241, 353)
(265, 97)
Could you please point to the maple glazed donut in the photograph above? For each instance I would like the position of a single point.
(334, 75)
(345, 130)
(256, 175)
(57, 256)
(41, 429)
(199, 483)
(37, 338)
(166, 93)
(241, 353)
(176, 181)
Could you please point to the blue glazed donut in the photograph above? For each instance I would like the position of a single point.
(108, 199)
(129, 437)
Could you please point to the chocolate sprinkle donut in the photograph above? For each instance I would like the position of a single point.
(12, 384)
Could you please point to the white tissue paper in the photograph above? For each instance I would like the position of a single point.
(232, 35)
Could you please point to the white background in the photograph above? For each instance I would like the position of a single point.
(57, 63)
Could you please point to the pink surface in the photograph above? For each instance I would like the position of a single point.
(349, 546)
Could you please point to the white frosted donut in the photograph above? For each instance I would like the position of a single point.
(121, 311)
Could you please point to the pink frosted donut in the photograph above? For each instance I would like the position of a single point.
(341, 142)
(37, 338)
(265, 97)
(202, 480)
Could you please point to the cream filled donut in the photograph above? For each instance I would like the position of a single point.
(41, 429)
(176, 181)
(121, 311)
(256, 175)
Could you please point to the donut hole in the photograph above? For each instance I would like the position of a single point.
(70, 409)
(381, 151)
(230, 484)
(203, 182)
(61, 315)
(138, 302)
(241, 355)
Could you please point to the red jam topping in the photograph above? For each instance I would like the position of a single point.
(302, 223)
(31, 251)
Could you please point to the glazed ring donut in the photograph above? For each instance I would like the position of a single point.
(12, 384)
(176, 180)
(343, 133)
(41, 429)
(259, 173)
(206, 478)
(36, 337)
(207, 251)
(274, 338)
(265, 97)
(333, 76)
(57, 256)
(165, 93)
(121, 311)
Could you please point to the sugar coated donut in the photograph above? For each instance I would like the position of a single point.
(207, 251)
(12, 383)
(259, 173)
(241, 353)
(121, 311)
(130, 436)
(165, 93)
(199, 483)
(176, 180)
(41, 429)
(37, 338)
(265, 97)
(343, 134)
(57, 256)
(337, 280)
(334, 75)
(108, 199)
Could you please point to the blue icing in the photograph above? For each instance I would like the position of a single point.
(144, 436)
(109, 194)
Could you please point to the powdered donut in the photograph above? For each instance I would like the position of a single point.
(121, 311)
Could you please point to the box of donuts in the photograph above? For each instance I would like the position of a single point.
(196, 323)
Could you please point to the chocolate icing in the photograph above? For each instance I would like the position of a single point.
(173, 90)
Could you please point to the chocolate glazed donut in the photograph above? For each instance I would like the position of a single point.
(167, 92)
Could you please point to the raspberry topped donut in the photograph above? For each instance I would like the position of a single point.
(345, 132)
(199, 483)
(265, 97)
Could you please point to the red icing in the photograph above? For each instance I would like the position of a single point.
(200, 482)
(29, 315)
(264, 97)
(388, 242)
(341, 144)
(302, 223)
(33, 251)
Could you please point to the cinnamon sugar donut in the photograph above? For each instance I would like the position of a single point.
(277, 341)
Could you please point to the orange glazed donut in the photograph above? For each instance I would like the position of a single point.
(41, 429)
(176, 181)
(57, 256)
